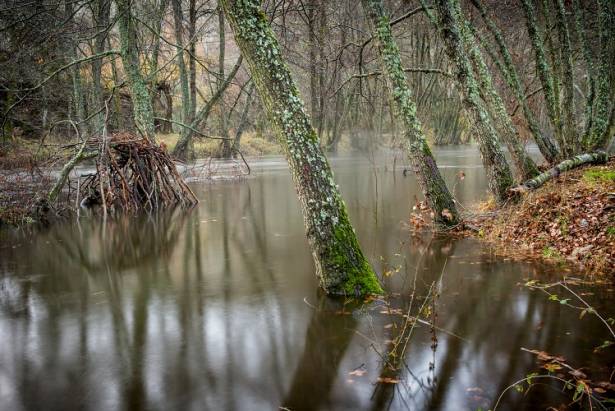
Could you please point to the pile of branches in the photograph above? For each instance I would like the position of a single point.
(133, 174)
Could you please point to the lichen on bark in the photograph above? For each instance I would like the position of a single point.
(499, 176)
(142, 104)
(340, 264)
(432, 184)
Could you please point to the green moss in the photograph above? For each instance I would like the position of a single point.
(610, 231)
(595, 176)
(551, 252)
(359, 276)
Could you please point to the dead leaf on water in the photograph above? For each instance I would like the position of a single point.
(387, 380)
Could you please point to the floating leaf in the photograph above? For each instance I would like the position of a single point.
(387, 380)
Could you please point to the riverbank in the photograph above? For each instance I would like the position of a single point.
(570, 221)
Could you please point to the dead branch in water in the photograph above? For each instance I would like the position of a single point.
(134, 174)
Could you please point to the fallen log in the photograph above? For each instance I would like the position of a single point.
(597, 157)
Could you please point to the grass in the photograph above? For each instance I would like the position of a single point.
(251, 145)
(599, 175)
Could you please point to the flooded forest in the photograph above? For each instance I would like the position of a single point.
(307, 205)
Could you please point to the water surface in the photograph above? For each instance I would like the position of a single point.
(218, 309)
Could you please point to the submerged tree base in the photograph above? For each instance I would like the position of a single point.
(569, 221)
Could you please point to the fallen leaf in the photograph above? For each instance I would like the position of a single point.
(387, 380)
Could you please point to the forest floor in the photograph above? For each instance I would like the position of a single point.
(570, 221)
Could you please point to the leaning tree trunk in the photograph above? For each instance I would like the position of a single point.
(433, 186)
(142, 104)
(566, 165)
(545, 74)
(600, 133)
(499, 176)
(544, 142)
(525, 166)
(340, 263)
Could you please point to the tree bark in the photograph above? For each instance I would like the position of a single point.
(568, 123)
(526, 168)
(244, 119)
(178, 17)
(102, 21)
(432, 184)
(142, 104)
(601, 132)
(340, 264)
(545, 144)
(566, 165)
(499, 176)
(226, 151)
(544, 72)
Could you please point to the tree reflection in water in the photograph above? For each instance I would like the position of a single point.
(206, 311)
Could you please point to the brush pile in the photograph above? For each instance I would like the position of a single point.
(133, 174)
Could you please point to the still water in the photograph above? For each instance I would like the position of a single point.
(218, 308)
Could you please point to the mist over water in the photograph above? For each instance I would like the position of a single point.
(218, 308)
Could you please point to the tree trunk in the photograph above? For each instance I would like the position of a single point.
(183, 144)
(433, 186)
(544, 72)
(102, 21)
(142, 104)
(340, 264)
(566, 165)
(226, 151)
(545, 144)
(244, 119)
(526, 168)
(499, 176)
(178, 17)
(601, 133)
(568, 123)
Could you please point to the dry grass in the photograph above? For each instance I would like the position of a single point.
(251, 145)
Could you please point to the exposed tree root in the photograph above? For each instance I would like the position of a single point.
(134, 174)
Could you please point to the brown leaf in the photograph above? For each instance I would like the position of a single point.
(387, 380)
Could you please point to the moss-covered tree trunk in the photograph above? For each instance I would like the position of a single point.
(142, 104)
(545, 144)
(178, 17)
(566, 165)
(568, 121)
(526, 168)
(547, 81)
(103, 8)
(433, 186)
(340, 263)
(601, 133)
(499, 176)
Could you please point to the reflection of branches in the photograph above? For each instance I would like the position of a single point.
(585, 308)
(119, 245)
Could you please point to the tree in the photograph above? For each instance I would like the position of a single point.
(433, 186)
(142, 104)
(499, 176)
(340, 264)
